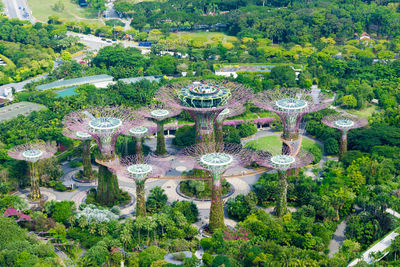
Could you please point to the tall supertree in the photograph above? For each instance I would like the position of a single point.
(159, 113)
(291, 105)
(139, 169)
(203, 156)
(139, 132)
(104, 124)
(32, 153)
(204, 101)
(226, 113)
(86, 158)
(281, 163)
(344, 123)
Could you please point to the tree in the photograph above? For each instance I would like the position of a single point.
(349, 101)
(284, 76)
(156, 200)
(331, 146)
(66, 56)
(62, 211)
(151, 254)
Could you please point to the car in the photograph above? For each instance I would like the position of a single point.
(114, 40)
(103, 39)
(109, 41)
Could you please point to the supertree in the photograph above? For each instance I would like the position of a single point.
(203, 156)
(139, 132)
(204, 101)
(86, 158)
(281, 163)
(226, 113)
(139, 169)
(159, 113)
(344, 123)
(104, 124)
(32, 153)
(291, 105)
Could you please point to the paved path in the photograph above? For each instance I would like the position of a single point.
(337, 239)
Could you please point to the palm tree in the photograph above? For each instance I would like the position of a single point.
(92, 228)
(126, 236)
(102, 228)
(162, 220)
(82, 221)
(139, 224)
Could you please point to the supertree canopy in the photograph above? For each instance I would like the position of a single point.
(139, 169)
(344, 123)
(32, 153)
(104, 124)
(204, 101)
(139, 132)
(159, 113)
(203, 156)
(291, 105)
(281, 163)
(86, 139)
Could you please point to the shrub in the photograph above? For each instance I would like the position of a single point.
(75, 163)
(206, 243)
(247, 129)
(184, 136)
(331, 146)
(317, 153)
(60, 186)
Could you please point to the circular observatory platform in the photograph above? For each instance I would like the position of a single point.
(344, 124)
(291, 105)
(204, 95)
(32, 154)
(105, 124)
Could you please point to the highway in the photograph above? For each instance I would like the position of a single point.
(18, 9)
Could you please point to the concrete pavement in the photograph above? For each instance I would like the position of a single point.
(18, 9)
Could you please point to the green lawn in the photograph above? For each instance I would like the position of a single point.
(273, 144)
(43, 9)
(365, 112)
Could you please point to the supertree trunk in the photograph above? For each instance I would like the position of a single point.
(281, 203)
(204, 123)
(107, 187)
(140, 198)
(87, 162)
(217, 208)
(343, 145)
(219, 136)
(160, 150)
(35, 188)
(288, 136)
(139, 148)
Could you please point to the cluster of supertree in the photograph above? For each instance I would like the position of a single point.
(32, 153)
(344, 123)
(104, 124)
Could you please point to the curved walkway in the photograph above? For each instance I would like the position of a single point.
(337, 239)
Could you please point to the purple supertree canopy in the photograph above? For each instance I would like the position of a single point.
(231, 112)
(77, 135)
(32, 152)
(134, 167)
(344, 122)
(284, 161)
(160, 111)
(222, 95)
(291, 104)
(203, 156)
(104, 124)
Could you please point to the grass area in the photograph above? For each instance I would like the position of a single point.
(208, 37)
(244, 116)
(273, 144)
(43, 9)
(365, 112)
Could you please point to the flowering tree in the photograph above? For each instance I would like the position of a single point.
(104, 124)
(344, 123)
(281, 163)
(32, 153)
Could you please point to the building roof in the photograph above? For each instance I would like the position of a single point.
(138, 79)
(21, 108)
(75, 81)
